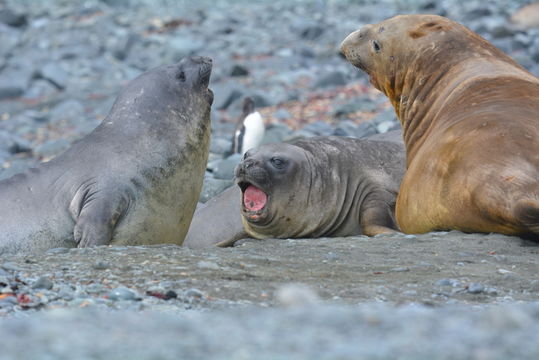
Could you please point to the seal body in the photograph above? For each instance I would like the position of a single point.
(321, 186)
(134, 180)
(470, 119)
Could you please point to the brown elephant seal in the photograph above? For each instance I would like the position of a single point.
(321, 186)
(470, 119)
(134, 180)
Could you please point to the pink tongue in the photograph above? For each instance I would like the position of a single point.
(254, 199)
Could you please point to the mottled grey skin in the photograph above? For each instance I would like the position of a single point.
(134, 180)
(330, 186)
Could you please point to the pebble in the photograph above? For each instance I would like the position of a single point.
(296, 295)
(207, 265)
(194, 293)
(476, 288)
(101, 265)
(225, 168)
(43, 283)
(121, 293)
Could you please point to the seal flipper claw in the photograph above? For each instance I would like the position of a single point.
(96, 217)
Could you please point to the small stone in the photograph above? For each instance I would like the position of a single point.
(400, 269)
(67, 110)
(10, 266)
(207, 265)
(194, 293)
(503, 271)
(11, 18)
(43, 283)
(275, 133)
(239, 70)
(100, 265)
(365, 129)
(331, 256)
(121, 293)
(213, 187)
(225, 168)
(385, 126)
(334, 78)
(345, 128)
(282, 114)
(319, 128)
(220, 145)
(292, 295)
(55, 74)
(448, 282)
(476, 288)
(225, 94)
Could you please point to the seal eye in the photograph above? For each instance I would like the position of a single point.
(277, 163)
(181, 76)
(376, 46)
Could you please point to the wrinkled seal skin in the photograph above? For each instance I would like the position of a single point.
(323, 186)
(470, 119)
(134, 180)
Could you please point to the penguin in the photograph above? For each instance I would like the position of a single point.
(249, 130)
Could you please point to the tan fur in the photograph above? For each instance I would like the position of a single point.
(470, 118)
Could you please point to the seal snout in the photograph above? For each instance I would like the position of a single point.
(195, 70)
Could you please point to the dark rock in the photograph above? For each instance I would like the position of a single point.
(359, 104)
(308, 30)
(11, 18)
(123, 45)
(225, 94)
(239, 70)
(43, 283)
(498, 26)
(319, 128)
(220, 145)
(55, 74)
(13, 144)
(213, 187)
(121, 293)
(14, 80)
(476, 288)
(334, 78)
(275, 133)
(345, 128)
(40, 88)
(365, 129)
(225, 168)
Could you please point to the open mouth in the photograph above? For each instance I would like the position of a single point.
(254, 201)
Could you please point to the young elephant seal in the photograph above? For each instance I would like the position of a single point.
(315, 187)
(470, 118)
(134, 180)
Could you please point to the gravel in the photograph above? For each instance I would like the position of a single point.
(445, 295)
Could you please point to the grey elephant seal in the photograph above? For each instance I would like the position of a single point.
(470, 119)
(315, 187)
(134, 180)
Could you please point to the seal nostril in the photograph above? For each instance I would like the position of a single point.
(181, 76)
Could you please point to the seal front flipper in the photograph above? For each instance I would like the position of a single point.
(378, 215)
(96, 212)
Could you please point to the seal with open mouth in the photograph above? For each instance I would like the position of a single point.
(321, 186)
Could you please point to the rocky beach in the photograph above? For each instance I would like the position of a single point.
(433, 296)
